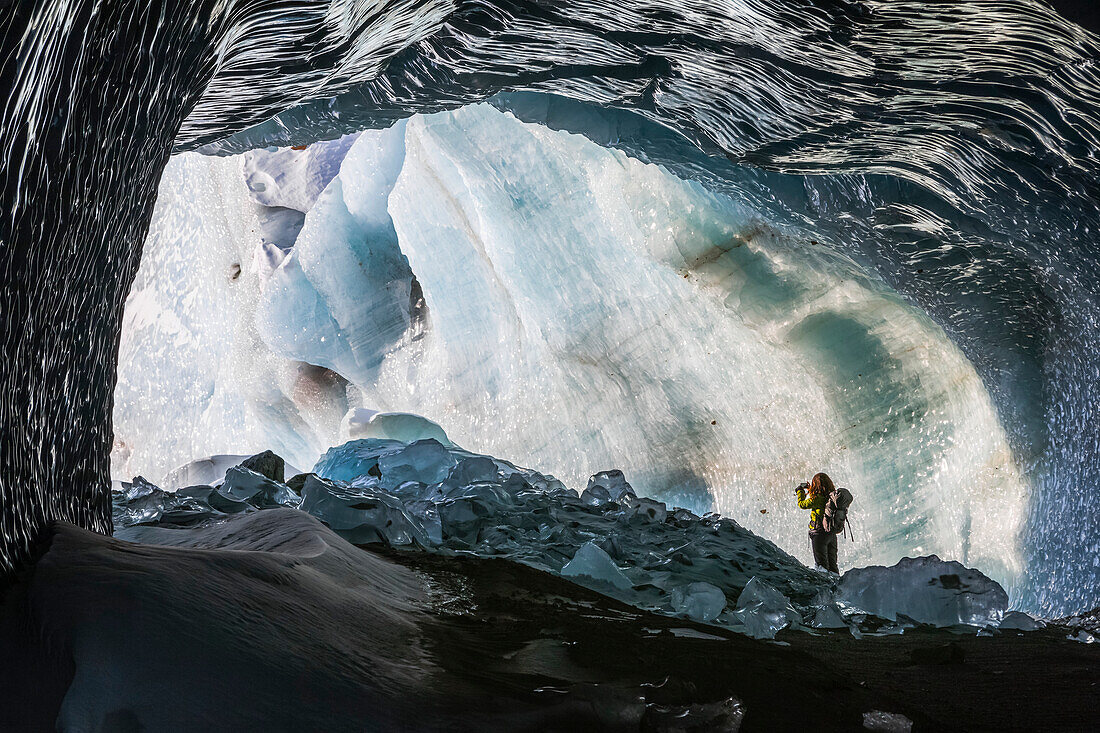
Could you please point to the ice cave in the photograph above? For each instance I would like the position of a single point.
(448, 365)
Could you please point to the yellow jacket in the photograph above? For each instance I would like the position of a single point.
(816, 505)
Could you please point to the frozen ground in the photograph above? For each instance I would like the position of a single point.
(424, 495)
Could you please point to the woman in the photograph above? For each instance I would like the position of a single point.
(814, 496)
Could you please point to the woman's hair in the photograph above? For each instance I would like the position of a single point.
(821, 484)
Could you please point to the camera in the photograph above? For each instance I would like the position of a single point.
(801, 487)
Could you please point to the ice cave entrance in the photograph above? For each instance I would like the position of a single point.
(561, 305)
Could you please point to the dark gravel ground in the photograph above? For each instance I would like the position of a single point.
(498, 646)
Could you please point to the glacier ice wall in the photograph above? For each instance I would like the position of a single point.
(580, 310)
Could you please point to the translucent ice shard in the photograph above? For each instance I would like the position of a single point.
(764, 611)
(593, 565)
(699, 601)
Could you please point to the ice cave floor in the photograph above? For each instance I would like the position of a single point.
(271, 621)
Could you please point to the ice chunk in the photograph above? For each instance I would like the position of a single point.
(245, 486)
(646, 510)
(1020, 621)
(361, 516)
(140, 502)
(426, 461)
(699, 601)
(473, 470)
(877, 720)
(355, 458)
(596, 496)
(614, 483)
(685, 517)
(593, 564)
(926, 589)
(1083, 637)
(426, 515)
(763, 610)
(827, 616)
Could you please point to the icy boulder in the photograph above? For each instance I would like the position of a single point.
(1020, 621)
(245, 486)
(593, 564)
(613, 483)
(476, 469)
(699, 601)
(355, 458)
(926, 589)
(361, 515)
(764, 611)
(646, 510)
(827, 616)
(596, 496)
(426, 461)
(143, 502)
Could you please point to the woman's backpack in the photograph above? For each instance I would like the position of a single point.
(835, 516)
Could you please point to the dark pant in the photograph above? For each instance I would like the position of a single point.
(824, 547)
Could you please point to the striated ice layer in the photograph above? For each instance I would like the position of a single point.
(538, 296)
(668, 560)
(194, 377)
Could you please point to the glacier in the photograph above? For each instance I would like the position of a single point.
(535, 295)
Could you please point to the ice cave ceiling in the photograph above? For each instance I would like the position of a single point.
(949, 180)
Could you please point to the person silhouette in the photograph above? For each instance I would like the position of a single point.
(814, 495)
